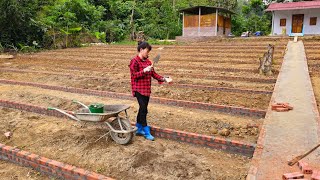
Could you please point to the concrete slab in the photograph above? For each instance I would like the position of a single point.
(285, 135)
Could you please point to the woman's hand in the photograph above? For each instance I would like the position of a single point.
(167, 79)
(147, 69)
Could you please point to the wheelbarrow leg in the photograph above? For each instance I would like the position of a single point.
(120, 124)
(103, 136)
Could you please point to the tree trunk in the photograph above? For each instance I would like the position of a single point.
(266, 61)
(131, 21)
(67, 37)
(54, 38)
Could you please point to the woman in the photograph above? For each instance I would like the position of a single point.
(141, 70)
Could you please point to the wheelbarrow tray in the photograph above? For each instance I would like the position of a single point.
(109, 111)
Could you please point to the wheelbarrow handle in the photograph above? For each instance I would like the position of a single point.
(85, 106)
(67, 113)
(51, 108)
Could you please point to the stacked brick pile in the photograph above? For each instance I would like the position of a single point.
(305, 169)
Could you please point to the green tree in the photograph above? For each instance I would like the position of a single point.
(70, 17)
(17, 24)
(250, 16)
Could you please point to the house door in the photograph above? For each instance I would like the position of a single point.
(297, 23)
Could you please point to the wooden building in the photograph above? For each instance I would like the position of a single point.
(206, 21)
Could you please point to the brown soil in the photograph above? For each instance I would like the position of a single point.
(203, 122)
(11, 171)
(313, 47)
(66, 141)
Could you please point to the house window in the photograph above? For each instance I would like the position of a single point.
(313, 21)
(283, 22)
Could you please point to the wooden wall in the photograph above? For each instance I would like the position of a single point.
(207, 25)
(208, 20)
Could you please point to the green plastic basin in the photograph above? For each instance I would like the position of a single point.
(96, 108)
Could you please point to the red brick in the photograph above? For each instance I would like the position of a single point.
(294, 175)
(281, 109)
(206, 138)
(31, 157)
(236, 143)
(68, 176)
(80, 171)
(197, 141)
(166, 130)
(220, 140)
(43, 160)
(33, 165)
(6, 149)
(315, 175)
(54, 164)
(68, 168)
(305, 168)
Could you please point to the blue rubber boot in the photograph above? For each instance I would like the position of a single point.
(140, 131)
(148, 135)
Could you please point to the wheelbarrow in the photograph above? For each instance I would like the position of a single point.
(119, 128)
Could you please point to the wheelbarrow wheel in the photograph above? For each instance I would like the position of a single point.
(121, 138)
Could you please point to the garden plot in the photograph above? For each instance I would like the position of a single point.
(249, 100)
(72, 68)
(312, 48)
(63, 141)
(190, 120)
(112, 77)
(176, 54)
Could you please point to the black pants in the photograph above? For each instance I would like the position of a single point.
(143, 108)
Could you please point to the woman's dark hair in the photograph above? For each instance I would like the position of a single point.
(143, 45)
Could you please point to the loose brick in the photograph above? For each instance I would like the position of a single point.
(305, 168)
(315, 175)
(282, 109)
(294, 175)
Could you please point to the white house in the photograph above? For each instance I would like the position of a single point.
(295, 18)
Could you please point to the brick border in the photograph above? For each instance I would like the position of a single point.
(212, 142)
(253, 70)
(251, 61)
(228, 145)
(47, 166)
(92, 54)
(170, 48)
(214, 88)
(232, 78)
(180, 103)
(214, 68)
(224, 89)
(212, 77)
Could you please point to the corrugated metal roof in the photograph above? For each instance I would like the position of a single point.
(293, 5)
(205, 10)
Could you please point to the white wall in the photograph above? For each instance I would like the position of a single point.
(307, 29)
(205, 31)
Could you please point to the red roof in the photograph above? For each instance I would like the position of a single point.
(293, 5)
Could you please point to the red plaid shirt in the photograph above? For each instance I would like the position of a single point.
(140, 81)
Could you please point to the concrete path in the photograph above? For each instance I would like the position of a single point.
(285, 135)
